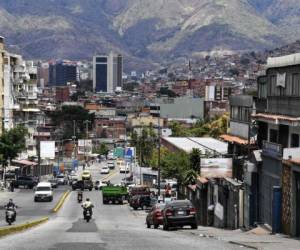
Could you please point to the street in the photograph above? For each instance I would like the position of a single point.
(112, 227)
(27, 208)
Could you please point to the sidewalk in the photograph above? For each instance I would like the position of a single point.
(257, 238)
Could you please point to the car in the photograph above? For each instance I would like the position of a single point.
(179, 213)
(25, 181)
(61, 179)
(82, 185)
(72, 177)
(53, 182)
(154, 216)
(140, 201)
(86, 175)
(124, 168)
(43, 192)
(104, 170)
(111, 164)
(99, 184)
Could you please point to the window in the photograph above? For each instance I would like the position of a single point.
(262, 90)
(294, 140)
(296, 84)
(273, 135)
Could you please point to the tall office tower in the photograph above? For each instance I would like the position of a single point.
(107, 72)
(62, 72)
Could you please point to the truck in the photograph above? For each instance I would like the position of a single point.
(114, 194)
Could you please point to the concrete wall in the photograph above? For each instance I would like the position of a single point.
(183, 107)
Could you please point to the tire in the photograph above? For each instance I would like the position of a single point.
(148, 225)
(156, 226)
(165, 227)
(9, 223)
(194, 226)
(90, 189)
(51, 199)
(135, 208)
(35, 200)
(87, 220)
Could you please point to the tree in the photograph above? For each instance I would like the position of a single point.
(167, 92)
(12, 143)
(195, 159)
(101, 150)
(178, 130)
(190, 177)
(64, 119)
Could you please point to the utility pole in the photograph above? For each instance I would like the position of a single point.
(86, 137)
(158, 158)
(74, 137)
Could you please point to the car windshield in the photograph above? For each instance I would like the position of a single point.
(43, 189)
(180, 203)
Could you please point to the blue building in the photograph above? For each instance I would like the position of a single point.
(62, 72)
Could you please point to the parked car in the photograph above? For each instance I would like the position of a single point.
(99, 184)
(61, 179)
(140, 201)
(154, 216)
(179, 213)
(53, 182)
(82, 184)
(43, 192)
(25, 181)
(104, 170)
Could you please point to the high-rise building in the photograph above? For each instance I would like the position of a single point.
(107, 72)
(62, 72)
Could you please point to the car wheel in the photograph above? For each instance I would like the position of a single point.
(194, 226)
(156, 226)
(165, 226)
(148, 225)
(90, 189)
(35, 200)
(135, 208)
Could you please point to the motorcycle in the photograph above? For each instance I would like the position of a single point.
(79, 197)
(10, 215)
(87, 214)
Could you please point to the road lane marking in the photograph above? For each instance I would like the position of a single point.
(61, 201)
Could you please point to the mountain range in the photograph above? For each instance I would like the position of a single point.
(146, 31)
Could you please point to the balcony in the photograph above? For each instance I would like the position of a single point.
(284, 105)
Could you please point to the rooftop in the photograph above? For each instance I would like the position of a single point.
(187, 144)
(283, 61)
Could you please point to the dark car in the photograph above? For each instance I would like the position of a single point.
(86, 184)
(25, 181)
(179, 213)
(140, 201)
(54, 183)
(154, 216)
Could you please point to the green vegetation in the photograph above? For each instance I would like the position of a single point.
(64, 118)
(213, 128)
(101, 150)
(12, 143)
(166, 91)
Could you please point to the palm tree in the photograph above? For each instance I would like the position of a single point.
(190, 177)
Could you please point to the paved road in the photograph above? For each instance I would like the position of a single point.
(28, 209)
(114, 227)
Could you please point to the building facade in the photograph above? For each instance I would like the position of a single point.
(107, 72)
(62, 72)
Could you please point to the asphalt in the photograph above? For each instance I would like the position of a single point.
(113, 227)
(28, 209)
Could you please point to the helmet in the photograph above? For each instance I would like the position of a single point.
(10, 200)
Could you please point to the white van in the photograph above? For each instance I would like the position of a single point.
(124, 168)
(43, 192)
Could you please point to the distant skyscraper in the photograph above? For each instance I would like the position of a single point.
(62, 72)
(107, 72)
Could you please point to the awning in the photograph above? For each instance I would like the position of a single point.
(25, 162)
(277, 118)
(234, 139)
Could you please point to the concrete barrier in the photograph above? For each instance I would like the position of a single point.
(60, 202)
(18, 228)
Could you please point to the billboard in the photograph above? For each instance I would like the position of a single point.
(129, 153)
(216, 167)
(47, 149)
(85, 146)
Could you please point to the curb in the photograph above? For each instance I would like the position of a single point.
(17, 228)
(60, 202)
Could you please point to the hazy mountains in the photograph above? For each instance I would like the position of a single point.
(146, 29)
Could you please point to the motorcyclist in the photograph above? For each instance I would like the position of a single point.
(79, 195)
(87, 205)
(11, 206)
